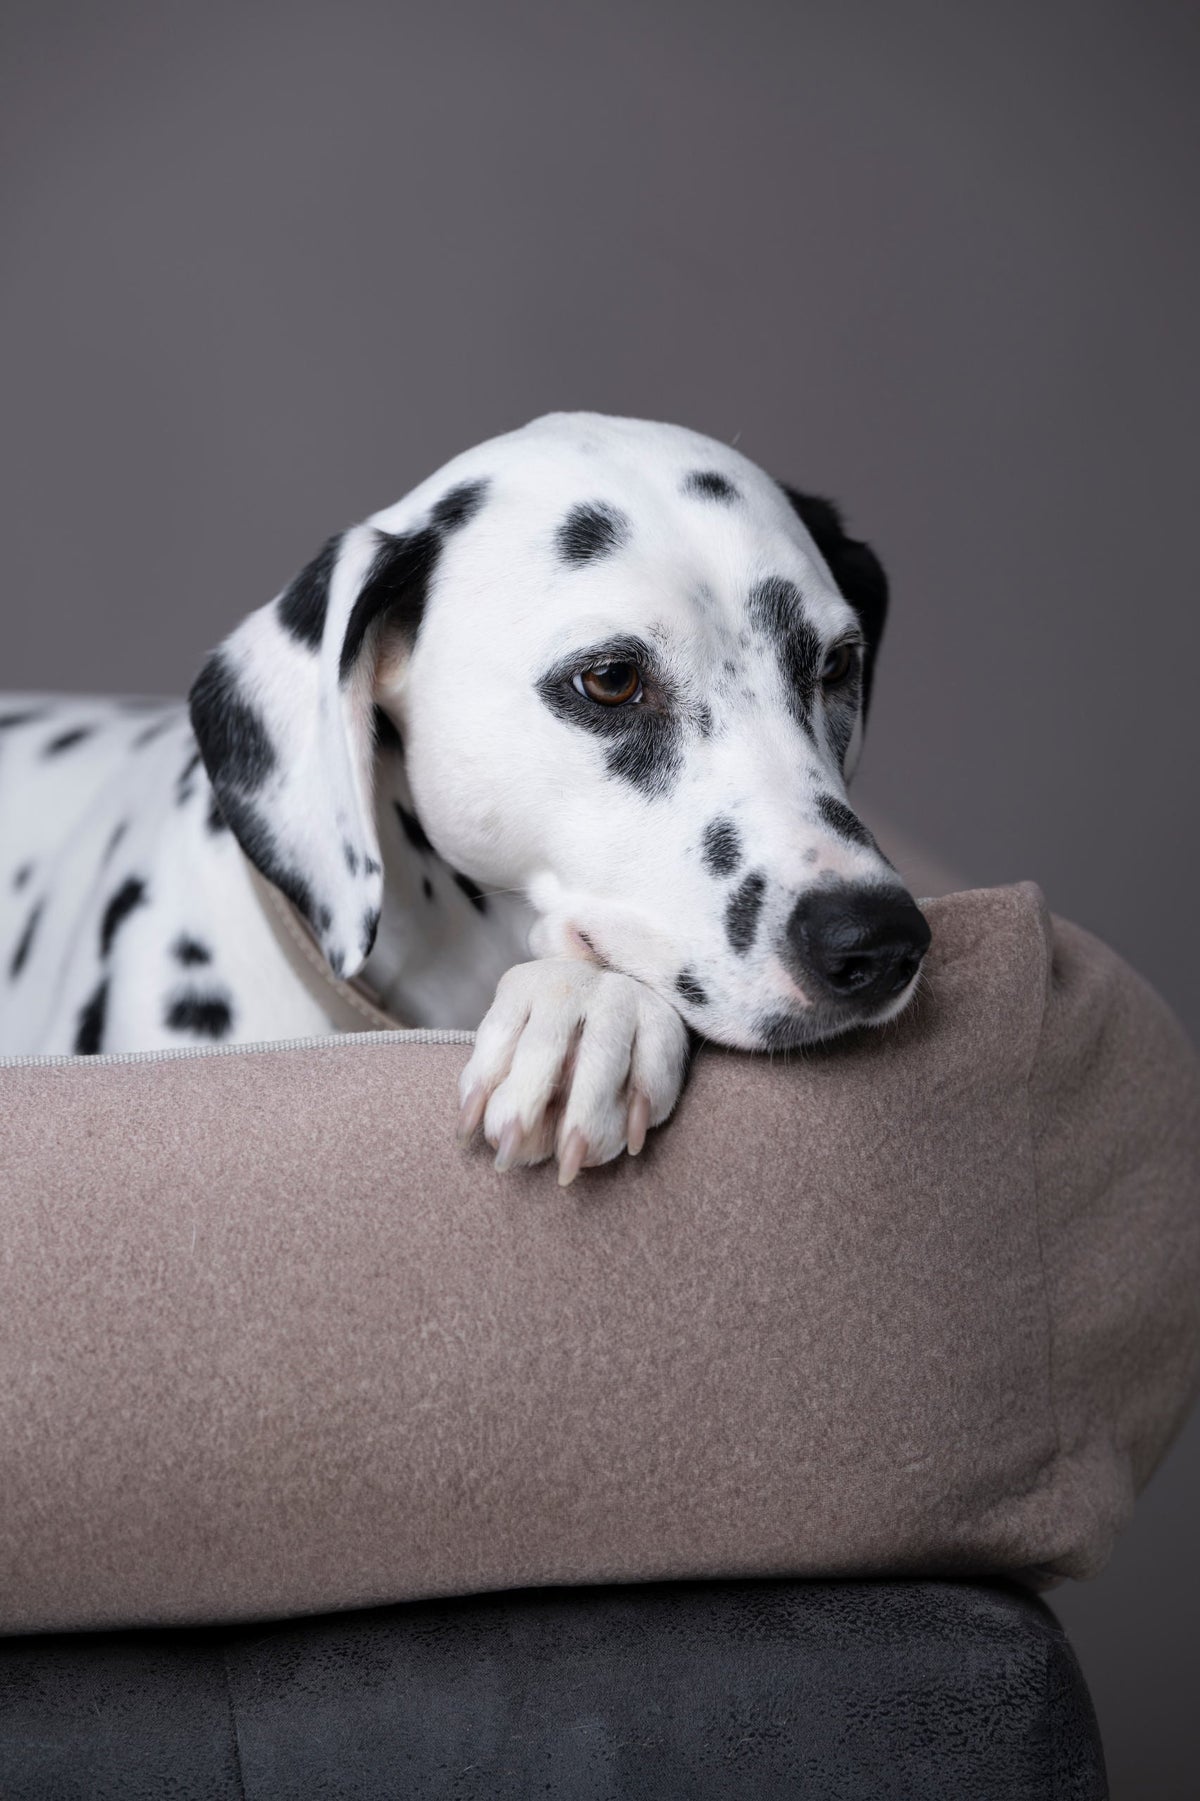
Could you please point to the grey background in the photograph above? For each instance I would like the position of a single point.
(264, 268)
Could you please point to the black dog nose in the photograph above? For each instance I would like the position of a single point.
(857, 944)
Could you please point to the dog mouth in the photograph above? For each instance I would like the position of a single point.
(796, 1023)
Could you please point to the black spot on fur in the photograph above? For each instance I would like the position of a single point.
(258, 842)
(25, 942)
(371, 867)
(644, 739)
(189, 951)
(427, 888)
(240, 758)
(207, 1015)
(854, 567)
(67, 740)
(460, 505)
(775, 608)
(387, 734)
(130, 895)
(709, 485)
(476, 896)
(690, 988)
(397, 586)
(115, 837)
(741, 915)
(351, 856)
(648, 759)
(839, 818)
(237, 751)
(722, 846)
(304, 602)
(370, 925)
(29, 716)
(21, 876)
(214, 819)
(414, 831)
(89, 1032)
(781, 1031)
(591, 531)
(154, 730)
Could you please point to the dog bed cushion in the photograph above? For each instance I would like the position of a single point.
(920, 1301)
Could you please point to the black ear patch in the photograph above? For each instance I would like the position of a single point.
(237, 751)
(397, 584)
(305, 601)
(855, 568)
(591, 531)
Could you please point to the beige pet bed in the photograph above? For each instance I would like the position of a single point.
(925, 1301)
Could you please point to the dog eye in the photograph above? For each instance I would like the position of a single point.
(840, 663)
(612, 684)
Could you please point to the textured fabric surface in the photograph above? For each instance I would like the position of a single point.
(924, 1301)
(846, 1691)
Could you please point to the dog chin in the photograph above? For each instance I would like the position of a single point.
(797, 1028)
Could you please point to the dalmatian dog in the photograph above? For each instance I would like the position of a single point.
(556, 747)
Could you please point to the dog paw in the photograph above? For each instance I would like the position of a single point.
(571, 1061)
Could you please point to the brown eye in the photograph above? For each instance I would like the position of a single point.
(612, 684)
(839, 664)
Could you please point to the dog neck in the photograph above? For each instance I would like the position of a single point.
(443, 943)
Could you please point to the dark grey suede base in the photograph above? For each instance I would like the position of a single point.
(849, 1691)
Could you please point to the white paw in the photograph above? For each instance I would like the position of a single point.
(571, 1061)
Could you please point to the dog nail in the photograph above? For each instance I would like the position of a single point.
(510, 1144)
(571, 1161)
(639, 1122)
(471, 1114)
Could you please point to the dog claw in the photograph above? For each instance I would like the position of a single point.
(471, 1114)
(510, 1144)
(571, 1161)
(638, 1122)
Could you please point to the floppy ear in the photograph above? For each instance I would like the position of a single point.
(855, 568)
(284, 716)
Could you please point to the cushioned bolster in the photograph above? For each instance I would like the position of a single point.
(271, 1343)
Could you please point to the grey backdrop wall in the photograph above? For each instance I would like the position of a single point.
(267, 266)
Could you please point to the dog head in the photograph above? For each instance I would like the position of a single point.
(630, 673)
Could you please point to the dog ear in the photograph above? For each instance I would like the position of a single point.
(855, 568)
(284, 715)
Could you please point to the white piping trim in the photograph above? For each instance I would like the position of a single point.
(334, 1041)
